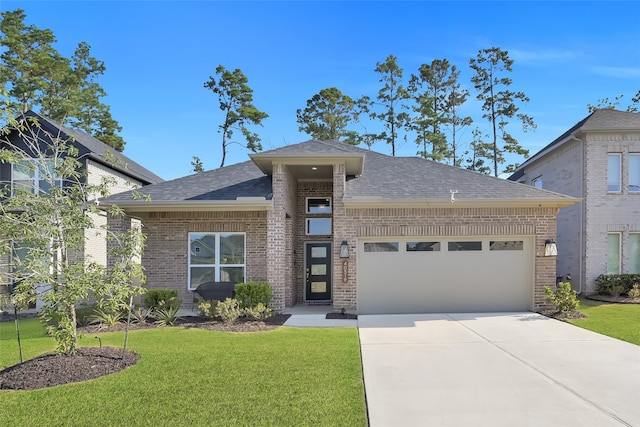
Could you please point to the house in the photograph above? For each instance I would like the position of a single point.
(598, 161)
(97, 159)
(329, 223)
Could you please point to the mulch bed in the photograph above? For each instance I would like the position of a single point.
(92, 362)
(554, 314)
(341, 316)
(617, 300)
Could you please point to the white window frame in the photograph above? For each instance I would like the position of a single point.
(634, 173)
(610, 156)
(634, 262)
(618, 270)
(34, 168)
(308, 210)
(217, 266)
(537, 182)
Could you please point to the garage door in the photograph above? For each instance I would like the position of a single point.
(436, 275)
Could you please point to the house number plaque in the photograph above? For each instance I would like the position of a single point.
(345, 271)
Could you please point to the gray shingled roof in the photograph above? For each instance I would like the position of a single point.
(383, 177)
(227, 183)
(599, 120)
(97, 150)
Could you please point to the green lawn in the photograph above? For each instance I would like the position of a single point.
(615, 320)
(286, 377)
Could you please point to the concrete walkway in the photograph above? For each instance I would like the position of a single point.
(518, 369)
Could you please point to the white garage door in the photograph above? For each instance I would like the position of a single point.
(437, 275)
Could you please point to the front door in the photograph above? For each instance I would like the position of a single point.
(318, 271)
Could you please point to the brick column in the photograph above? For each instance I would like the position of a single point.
(344, 292)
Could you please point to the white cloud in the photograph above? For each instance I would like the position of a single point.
(624, 72)
(542, 56)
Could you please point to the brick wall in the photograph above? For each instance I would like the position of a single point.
(166, 255)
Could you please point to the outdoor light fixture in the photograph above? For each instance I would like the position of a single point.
(344, 249)
(550, 248)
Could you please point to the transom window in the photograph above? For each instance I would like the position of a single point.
(464, 246)
(381, 247)
(614, 172)
(216, 257)
(319, 226)
(319, 205)
(506, 245)
(35, 176)
(423, 246)
(634, 173)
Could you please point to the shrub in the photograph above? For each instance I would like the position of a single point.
(155, 298)
(105, 317)
(563, 298)
(616, 290)
(251, 294)
(207, 308)
(604, 282)
(259, 312)
(140, 314)
(166, 316)
(634, 292)
(228, 310)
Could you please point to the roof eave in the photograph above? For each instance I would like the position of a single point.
(354, 162)
(380, 202)
(241, 204)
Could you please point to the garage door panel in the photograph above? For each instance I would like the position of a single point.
(443, 281)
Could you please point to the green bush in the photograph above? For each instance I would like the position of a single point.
(166, 315)
(207, 308)
(228, 310)
(259, 312)
(605, 282)
(105, 317)
(155, 298)
(251, 294)
(616, 290)
(564, 298)
(634, 292)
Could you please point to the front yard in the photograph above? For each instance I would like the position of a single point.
(620, 321)
(286, 377)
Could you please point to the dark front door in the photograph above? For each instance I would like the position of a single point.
(318, 272)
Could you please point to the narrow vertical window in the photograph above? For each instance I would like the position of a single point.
(614, 173)
(634, 253)
(613, 253)
(537, 182)
(634, 173)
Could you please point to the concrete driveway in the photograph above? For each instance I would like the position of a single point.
(518, 369)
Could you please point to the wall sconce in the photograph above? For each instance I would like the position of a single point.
(550, 248)
(344, 249)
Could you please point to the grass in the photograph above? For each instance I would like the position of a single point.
(286, 377)
(615, 320)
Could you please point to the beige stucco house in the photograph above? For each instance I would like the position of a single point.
(328, 223)
(598, 161)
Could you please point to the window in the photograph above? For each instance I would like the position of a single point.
(465, 246)
(34, 175)
(614, 173)
(423, 246)
(613, 253)
(319, 226)
(634, 253)
(634, 173)
(537, 182)
(506, 245)
(381, 247)
(216, 257)
(319, 205)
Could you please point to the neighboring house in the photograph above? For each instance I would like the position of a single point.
(98, 159)
(597, 160)
(328, 223)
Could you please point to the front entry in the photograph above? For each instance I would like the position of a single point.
(318, 272)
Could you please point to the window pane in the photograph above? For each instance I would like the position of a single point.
(320, 205)
(318, 287)
(232, 274)
(613, 253)
(506, 245)
(318, 269)
(381, 247)
(634, 253)
(319, 226)
(200, 275)
(537, 182)
(613, 173)
(203, 248)
(423, 247)
(23, 177)
(319, 252)
(465, 246)
(634, 172)
(231, 249)
(46, 177)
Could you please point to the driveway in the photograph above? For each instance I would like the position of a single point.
(517, 369)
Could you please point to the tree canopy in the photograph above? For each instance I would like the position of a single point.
(327, 116)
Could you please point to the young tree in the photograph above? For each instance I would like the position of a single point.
(197, 164)
(498, 103)
(480, 151)
(606, 104)
(327, 116)
(235, 98)
(39, 78)
(43, 220)
(391, 98)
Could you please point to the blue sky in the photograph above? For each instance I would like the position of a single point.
(159, 54)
